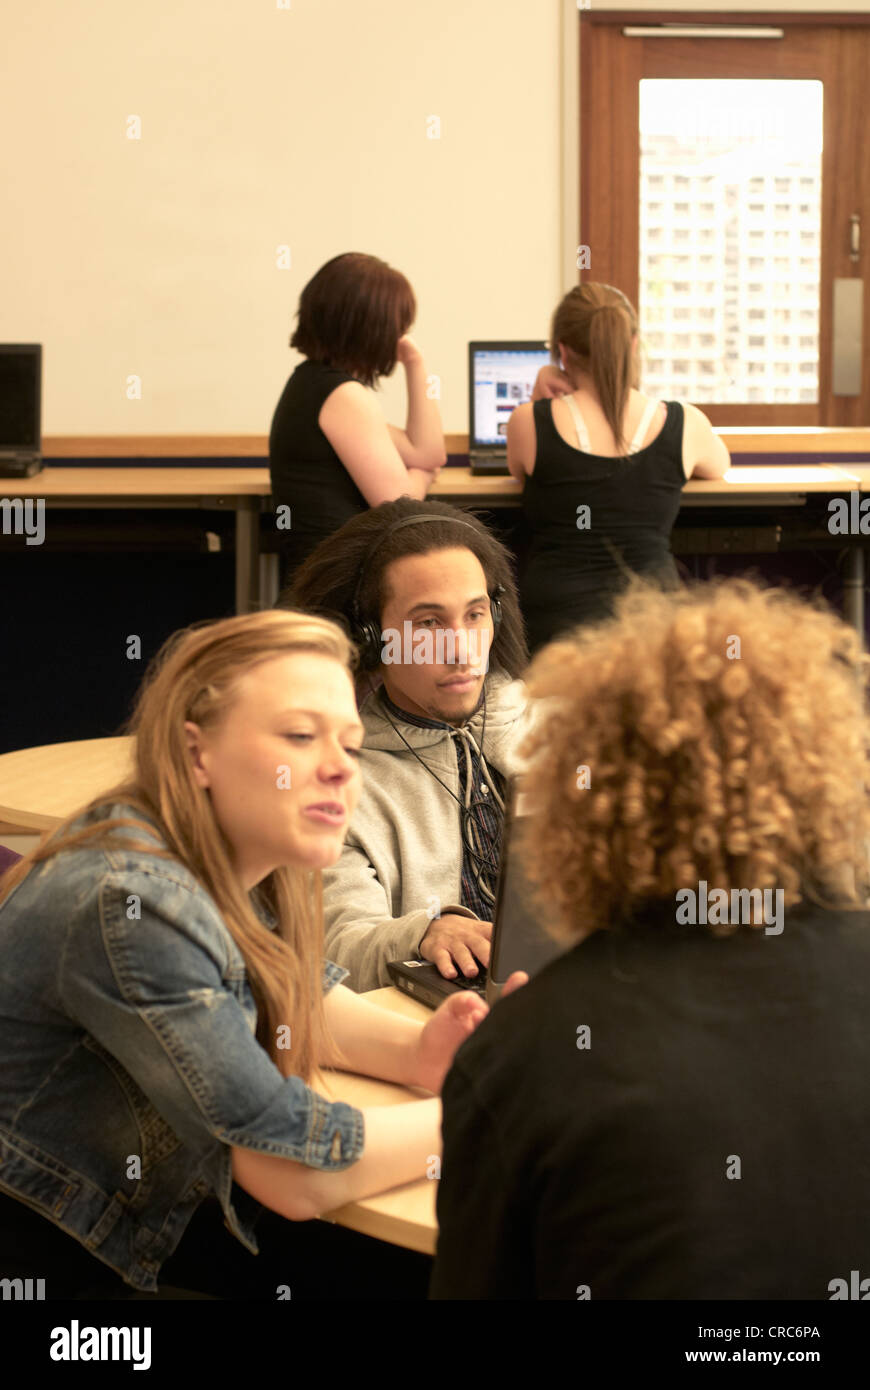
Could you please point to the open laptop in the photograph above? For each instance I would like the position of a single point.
(20, 409)
(501, 376)
(519, 941)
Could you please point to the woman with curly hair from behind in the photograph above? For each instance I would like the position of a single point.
(677, 1106)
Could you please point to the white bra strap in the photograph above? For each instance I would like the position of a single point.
(579, 424)
(643, 425)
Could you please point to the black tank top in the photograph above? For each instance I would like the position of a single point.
(307, 474)
(573, 574)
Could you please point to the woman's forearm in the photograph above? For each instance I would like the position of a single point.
(423, 426)
(400, 1143)
(373, 1041)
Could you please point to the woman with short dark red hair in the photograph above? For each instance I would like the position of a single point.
(331, 452)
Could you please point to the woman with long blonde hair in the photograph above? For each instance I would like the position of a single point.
(164, 1003)
(602, 466)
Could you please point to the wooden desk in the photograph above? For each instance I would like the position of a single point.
(749, 485)
(860, 471)
(40, 787)
(404, 1215)
(246, 491)
(740, 439)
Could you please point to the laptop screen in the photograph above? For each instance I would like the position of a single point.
(501, 376)
(20, 381)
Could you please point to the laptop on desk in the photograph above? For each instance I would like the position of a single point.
(519, 941)
(501, 376)
(20, 409)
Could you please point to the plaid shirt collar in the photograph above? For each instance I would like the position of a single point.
(420, 720)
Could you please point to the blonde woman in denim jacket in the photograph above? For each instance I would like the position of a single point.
(165, 1007)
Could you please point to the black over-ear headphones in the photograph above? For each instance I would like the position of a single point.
(367, 633)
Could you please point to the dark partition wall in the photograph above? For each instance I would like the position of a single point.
(65, 624)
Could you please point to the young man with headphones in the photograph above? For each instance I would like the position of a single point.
(444, 714)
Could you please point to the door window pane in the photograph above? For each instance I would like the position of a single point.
(730, 175)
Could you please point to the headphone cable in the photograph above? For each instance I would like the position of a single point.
(484, 861)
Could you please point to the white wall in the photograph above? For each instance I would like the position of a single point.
(263, 126)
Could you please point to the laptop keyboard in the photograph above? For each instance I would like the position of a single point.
(476, 982)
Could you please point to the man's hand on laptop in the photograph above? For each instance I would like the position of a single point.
(453, 941)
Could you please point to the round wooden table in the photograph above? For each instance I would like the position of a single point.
(40, 787)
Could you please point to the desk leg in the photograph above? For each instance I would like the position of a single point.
(247, 554)
(853, 588)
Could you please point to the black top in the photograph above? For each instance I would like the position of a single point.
(307, 474)
(572, 574)
(608, 1166)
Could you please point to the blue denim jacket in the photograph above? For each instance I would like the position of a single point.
(123, 1036)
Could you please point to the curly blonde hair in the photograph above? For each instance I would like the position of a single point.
(715, 734)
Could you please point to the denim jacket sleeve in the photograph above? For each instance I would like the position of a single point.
(162, 993)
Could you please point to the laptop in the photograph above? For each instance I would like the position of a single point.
(20, 409)
(519, 941)
(501, 376)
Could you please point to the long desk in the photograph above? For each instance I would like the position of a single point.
(247, 491)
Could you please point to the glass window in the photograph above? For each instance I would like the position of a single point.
(741, 180)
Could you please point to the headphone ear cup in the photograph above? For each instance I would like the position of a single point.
(370, 641)
(495, 609)
(361, 636)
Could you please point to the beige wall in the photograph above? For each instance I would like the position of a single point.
(260, 127)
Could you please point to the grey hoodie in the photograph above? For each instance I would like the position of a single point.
(402, 860)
